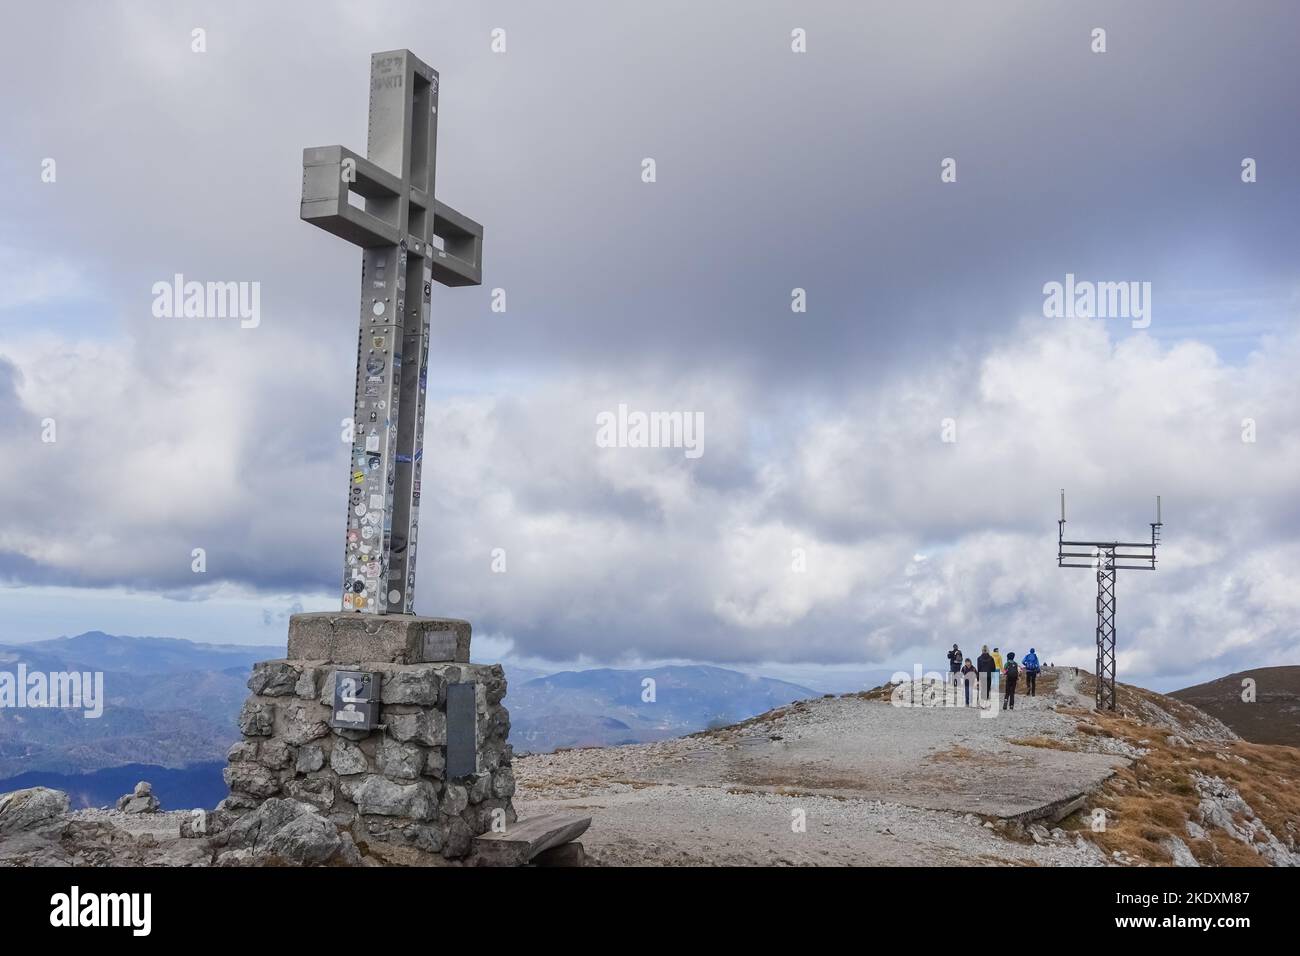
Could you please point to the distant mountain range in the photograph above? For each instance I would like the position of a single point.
(147, 655)
(1273, 717)
(167, 703)
(603, 707)
(171, 705)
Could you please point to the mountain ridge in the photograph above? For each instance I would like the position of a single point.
(606, 706)
(1271, 717)
(172, 703)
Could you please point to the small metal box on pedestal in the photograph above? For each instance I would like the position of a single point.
(356, 701)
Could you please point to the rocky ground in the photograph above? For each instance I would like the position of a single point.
(857, 780)
(37, 829)
(885, 777)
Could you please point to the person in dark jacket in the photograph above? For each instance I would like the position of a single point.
(1010, 674)
(1031, 671)
(984, 665)
(970, 676)
(954, 664)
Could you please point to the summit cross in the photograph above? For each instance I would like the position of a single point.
(384, 202)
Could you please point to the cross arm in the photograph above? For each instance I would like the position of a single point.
(329, 173)
(460, 260)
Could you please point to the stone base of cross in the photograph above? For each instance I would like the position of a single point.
(384, 202)
(384, 726)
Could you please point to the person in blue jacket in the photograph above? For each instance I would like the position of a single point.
(1030, 664)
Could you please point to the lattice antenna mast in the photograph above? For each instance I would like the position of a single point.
(1107, 557)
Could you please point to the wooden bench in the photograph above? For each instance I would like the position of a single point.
(541, 839)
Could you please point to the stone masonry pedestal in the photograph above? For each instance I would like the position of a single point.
(431, 776)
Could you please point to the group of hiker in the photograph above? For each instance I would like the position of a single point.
(962, 671)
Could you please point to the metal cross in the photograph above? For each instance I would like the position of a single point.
(385, 203)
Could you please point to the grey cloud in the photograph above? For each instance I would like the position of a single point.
(775, 171)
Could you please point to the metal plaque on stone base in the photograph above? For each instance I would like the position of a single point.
(356, 701)
(462, 731)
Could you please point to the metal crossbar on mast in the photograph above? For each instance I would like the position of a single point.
(1106, 558)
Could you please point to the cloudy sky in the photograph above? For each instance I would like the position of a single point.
(828, 530)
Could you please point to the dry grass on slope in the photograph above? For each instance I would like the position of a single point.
(1160, 710)
(1150, 803)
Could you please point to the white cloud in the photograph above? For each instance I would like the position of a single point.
(642, 553)
(824, 434)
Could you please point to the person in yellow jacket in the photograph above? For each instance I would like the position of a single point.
(997, 659)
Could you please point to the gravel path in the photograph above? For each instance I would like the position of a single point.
(844, 780)
(666, 825)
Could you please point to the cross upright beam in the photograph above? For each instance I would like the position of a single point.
(1106, 558)
(384, 202)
